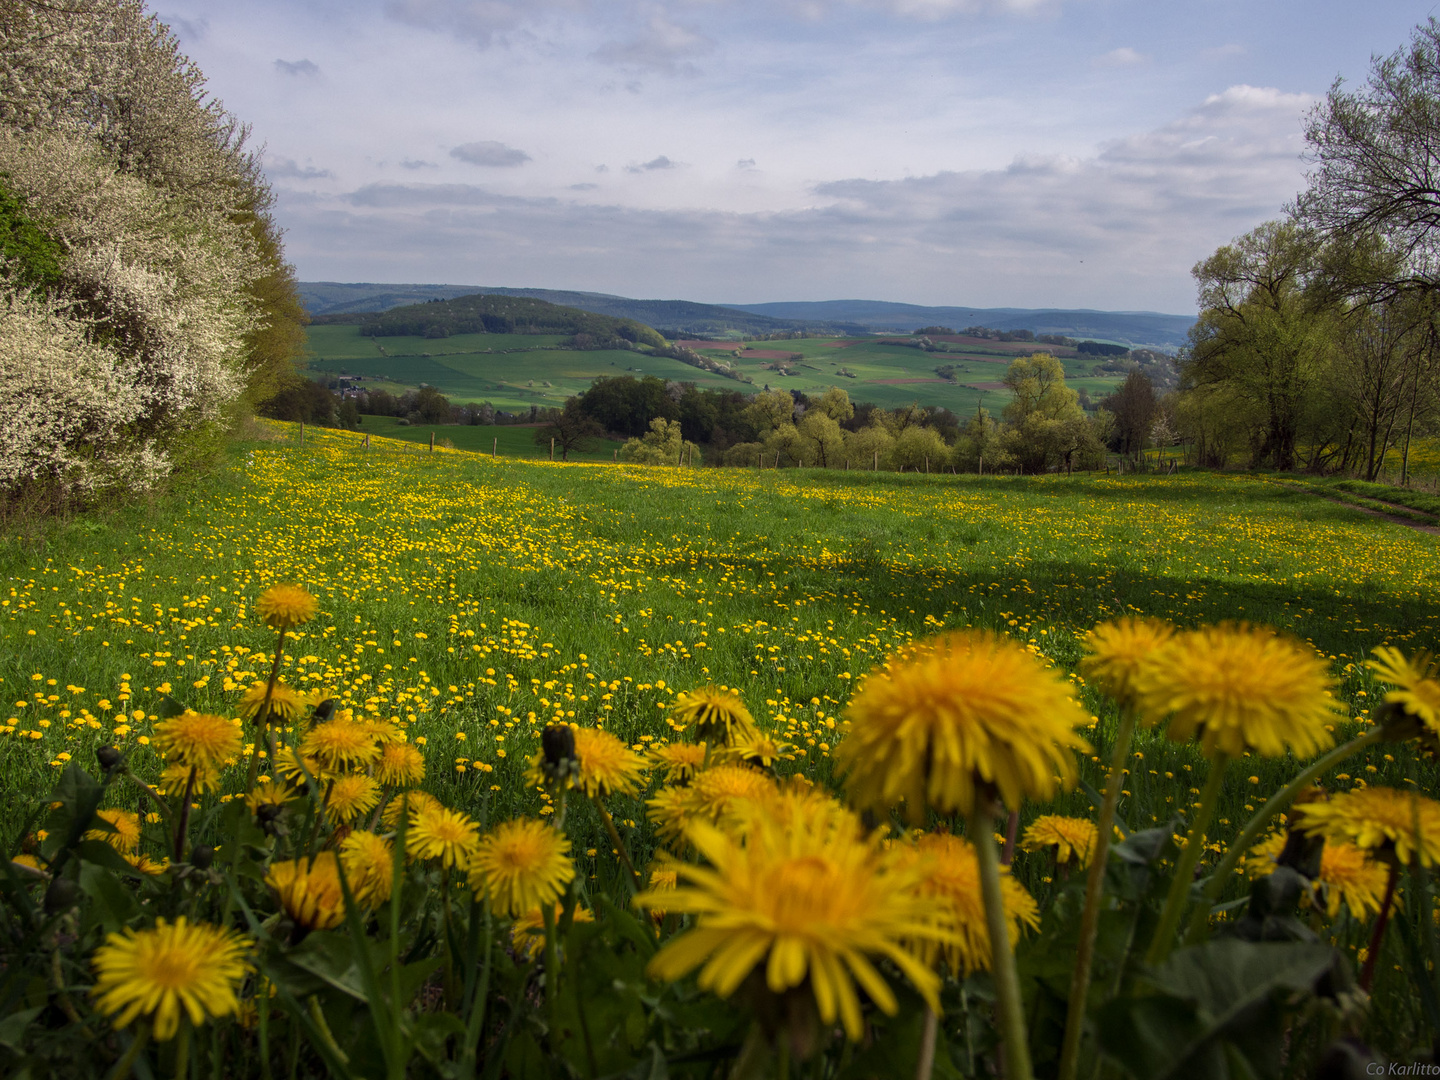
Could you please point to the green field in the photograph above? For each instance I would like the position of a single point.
(504, 440)
(512, 371)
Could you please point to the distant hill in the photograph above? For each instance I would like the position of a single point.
(480, 313)
(1132, 327)
(843, 318)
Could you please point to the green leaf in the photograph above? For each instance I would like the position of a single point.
(1216, 1012)
(114, 904)
(169, 707)
(12, 1027)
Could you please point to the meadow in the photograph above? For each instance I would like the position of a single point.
(475, 600)
(507, 440)
(514, 371)
(470, 602)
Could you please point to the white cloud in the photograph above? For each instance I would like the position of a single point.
(491, 154)
(287, 169)
(415, 163)
(660, 163)
(662, 46)
(745, 163)
(297, 67)
(1124, 57)
(476, 20)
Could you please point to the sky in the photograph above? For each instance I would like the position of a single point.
(980, 153)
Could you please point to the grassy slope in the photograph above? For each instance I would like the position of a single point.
(512, 373)
(507, 440)
(474, 599)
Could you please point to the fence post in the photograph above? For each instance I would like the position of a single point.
(875, 463)
(777, 459)
(982, 462)
(615, 456)
(847, 464)
(302, 432)
(367, 440)
(432, 442)
(927, 464)
(552, 448)
(495, 448)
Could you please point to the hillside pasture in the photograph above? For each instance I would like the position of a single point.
(507, 440)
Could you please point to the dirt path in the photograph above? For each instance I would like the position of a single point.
(1396, 519)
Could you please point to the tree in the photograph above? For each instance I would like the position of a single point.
(625, 405)
(1133, 406)
(1377, 152)
(1047, 426)
(663, 444)
(571, 428)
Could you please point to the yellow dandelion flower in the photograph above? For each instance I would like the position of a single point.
(198, 739)
(607, 765)
(758, 749)
(269, 792)
(521, 864)
(528, 932)
(382, 731)
(146, 865)
(309, 890)
(678, 761)
(286, 705)
(1382, 821)
(959, 713)
(340, 744)
(1240, 687)
(715, 713)
(949, 879)
(1417, 685)
(671, 811)
(1072, 838)
(801, 905)
(1347, 873)
(400, 765)
(297, 767)
(369, 862)
(284, 607)
(351, 796)
(174, 969)
(175, 780)
(709, 798)
(1118, 649)
(447, 835)
(124, 832)
(417, 802)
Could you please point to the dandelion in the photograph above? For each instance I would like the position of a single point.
(1072, 838)
(801, 905)
(715, 713)
(340, 744)
(1417, 686)
(284, 607)
(1240, 687)
(200, 739)
(709, 798)
(124, 832)
(443, 834)
(176, 780)
(350, 796)
(954, 716)
(1391, 824)
(527, 933)
(309, 890)
(1117, 651)
(418, 802)
(521, 864)
(607, 765)
(400, 765)
(298, 768)
(173, 969)
(761, 750)
(1347, 873)
(369, 862)
(286, 705)
(146, 865)
(270, 792)
(678, 761)
(948, 871)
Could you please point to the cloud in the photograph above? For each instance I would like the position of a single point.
(1140, 211)
(416, 163)
(745, 163)
(1124, 57)
(287, 169)
(297, 67)
(189, 29)
(661, 162)
(474, 20)
(583, 187)
(491, 154)
(663, 46)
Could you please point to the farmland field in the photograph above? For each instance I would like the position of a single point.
(476, 600)
(508, 440)
(516, 371)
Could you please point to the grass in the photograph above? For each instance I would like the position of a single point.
(515, 371)
(507, 440)
(475, 600)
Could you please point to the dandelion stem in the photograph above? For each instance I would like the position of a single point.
(1276, 803)
(619, 844)
(262, 719)
(124, 1065)
(1164, 939)
(552, 965)
(1007, 978)
(926, 1066)
(1372, 955)
(184, 826)
(1094, 894)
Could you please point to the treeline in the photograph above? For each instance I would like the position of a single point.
(1043, 428)
(144, 297)
(489, 314)
(1318, 342)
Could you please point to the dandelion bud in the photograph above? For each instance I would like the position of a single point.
(202, 856)
(324, 711)
(268, 812)
(558, 742)
(108, 757)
